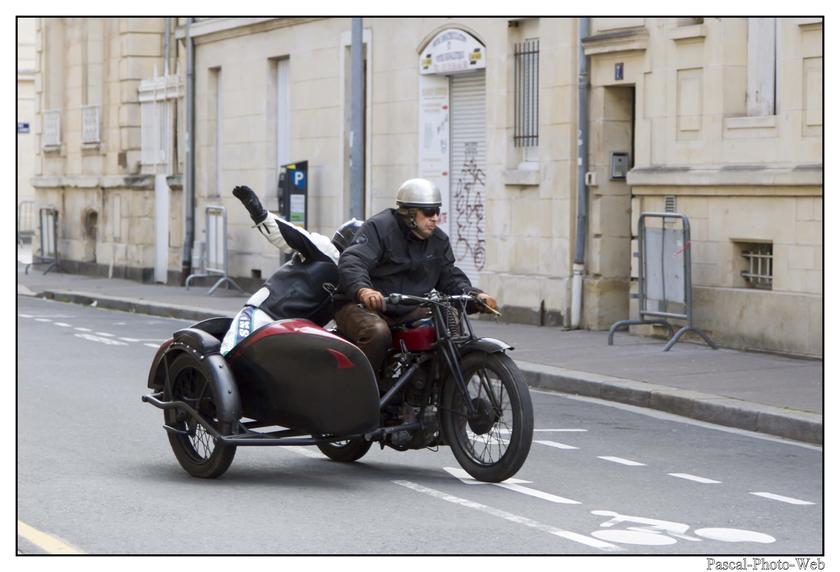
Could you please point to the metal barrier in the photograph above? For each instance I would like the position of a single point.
(664, 277)
(215, 257)
(48, 217)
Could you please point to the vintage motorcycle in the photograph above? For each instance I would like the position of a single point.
(292, 382)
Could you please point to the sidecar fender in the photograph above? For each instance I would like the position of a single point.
(486, 345)
(204, 350)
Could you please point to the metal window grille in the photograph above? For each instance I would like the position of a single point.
(760, 265)
(90, 124)
(51, 136)
(670, 204)
(527, 82)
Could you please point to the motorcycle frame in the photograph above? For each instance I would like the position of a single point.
(448, 350)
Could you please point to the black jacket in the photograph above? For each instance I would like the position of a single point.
(296, 289)
(387, 256)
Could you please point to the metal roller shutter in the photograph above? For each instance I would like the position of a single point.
(467, 171)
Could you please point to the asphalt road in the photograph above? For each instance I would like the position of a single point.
(95, 474)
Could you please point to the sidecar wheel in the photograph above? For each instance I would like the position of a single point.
(345, 451)
(196, 450)
(492, 444)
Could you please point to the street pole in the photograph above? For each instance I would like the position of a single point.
(582, 166)
(357, 127)
(189, 175)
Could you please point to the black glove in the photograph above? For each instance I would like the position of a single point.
(251, 202)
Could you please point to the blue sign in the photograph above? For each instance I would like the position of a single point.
(23, 127)
(299, 179)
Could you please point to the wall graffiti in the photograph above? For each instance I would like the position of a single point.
(469, 209)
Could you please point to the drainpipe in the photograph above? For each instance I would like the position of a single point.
(189, 167)
(167, 23)
(357, 129)
(583, 164)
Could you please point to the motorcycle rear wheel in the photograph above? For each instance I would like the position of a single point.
(493, 444)
(200, 454)
(345, 451)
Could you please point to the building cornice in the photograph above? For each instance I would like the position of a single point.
(629, 40)
(136, 182)
(809, 175)
(214, 29)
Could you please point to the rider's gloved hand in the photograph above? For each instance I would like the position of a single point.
(489, 300)
(251, 202)
(372, 299)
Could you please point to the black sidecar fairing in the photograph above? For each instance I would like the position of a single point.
(295, 374)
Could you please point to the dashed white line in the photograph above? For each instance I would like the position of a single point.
(781, 498)
(128, 339)
(83, 329)
(105, 334)
(621, 461)
(556, 445)
(62, 324)
(694, 478)
(510, 517)
(43, 320)
(152, 345)
(510, 484)
(25, 315)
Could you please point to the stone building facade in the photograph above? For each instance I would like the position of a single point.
(487, 107)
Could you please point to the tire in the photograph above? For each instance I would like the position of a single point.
(197, 452)
(492, 445)
(345, 451)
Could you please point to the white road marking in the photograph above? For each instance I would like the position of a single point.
(152, 345)
(781, 498)
(734, 535)
(105, 334)
(305, 452)
(83, 329)
(556, 445)
(25, 315)
(47, 542)
(133, 340)
(511, 485)
(694, 478)
(647, 412)
(504, 431)
(106, 341)
(43, 320)
(62, 324)
(510, 517)
(621, 461)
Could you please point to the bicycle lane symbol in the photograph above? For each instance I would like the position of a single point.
(653, 532)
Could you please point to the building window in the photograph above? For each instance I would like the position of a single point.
(90, 124)
(758, 264)
(761, 67)
(527, 83)
(51, 136)
(670, 204)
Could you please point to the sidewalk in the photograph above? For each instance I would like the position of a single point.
(758, 392)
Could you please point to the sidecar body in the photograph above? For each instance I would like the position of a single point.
(289, 373)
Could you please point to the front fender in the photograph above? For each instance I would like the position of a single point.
(486, 345)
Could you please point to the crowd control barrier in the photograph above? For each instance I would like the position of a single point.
(664, 276)
(215, 255)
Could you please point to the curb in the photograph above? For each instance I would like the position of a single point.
(726, 411)
(786, 423)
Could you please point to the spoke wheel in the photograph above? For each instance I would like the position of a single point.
(492, 443)
(345, 451)
(197, 451)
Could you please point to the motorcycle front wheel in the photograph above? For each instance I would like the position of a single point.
(491, 444)
(197, 451)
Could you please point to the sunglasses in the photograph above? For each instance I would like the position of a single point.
(430, 211)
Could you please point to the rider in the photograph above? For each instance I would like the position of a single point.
(397, 251)
(299, 288)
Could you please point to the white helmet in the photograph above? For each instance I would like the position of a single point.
(418, 193)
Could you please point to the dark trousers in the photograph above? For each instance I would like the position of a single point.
(371, 331)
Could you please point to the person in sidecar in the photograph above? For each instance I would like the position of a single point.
(403, 251)
(297, 289)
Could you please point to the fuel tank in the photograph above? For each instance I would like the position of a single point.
(295, 374)
(420, 338)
